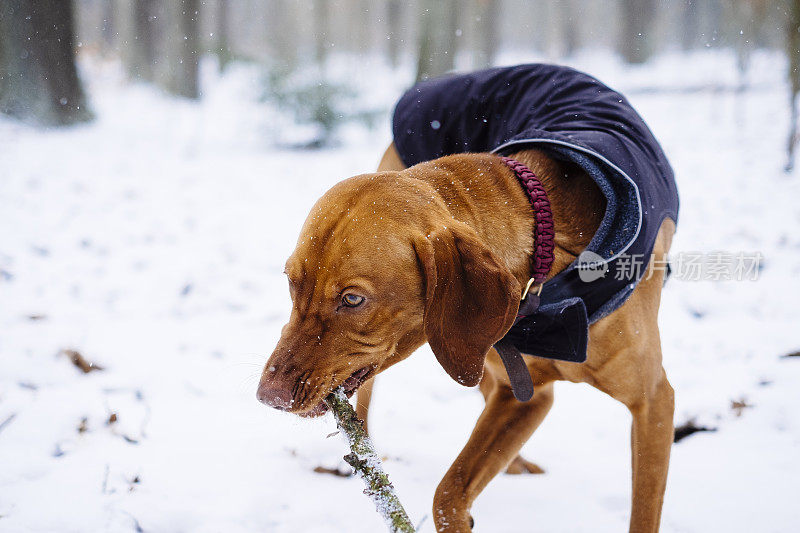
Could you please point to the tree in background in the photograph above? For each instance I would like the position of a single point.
(689, 23)
(438, 26)
(394, 19)
(322, 20)
(159, 41)
(487, 17)
(745, 21)
(283, 34)
(222, 45)
(636, 43)
(793, 53)
(360, 28)
(182, 44)
(143, 55)
(38, 79)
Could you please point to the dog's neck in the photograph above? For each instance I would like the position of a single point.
(577, 203)
(480, 190)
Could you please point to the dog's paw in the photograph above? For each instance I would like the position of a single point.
(522, 466)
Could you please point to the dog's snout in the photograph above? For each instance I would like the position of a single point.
(275, 394)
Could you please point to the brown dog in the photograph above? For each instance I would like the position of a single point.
(439, 253)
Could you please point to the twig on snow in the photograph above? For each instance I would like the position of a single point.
(367, 464)
(7, 421)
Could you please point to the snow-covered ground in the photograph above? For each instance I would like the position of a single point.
(153, 242)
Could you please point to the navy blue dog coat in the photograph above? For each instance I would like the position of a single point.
(573, 117)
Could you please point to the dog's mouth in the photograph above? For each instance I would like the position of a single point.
(350, 386)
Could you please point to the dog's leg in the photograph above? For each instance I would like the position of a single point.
(518, 465)
(633, 374)
(503, 427)
(652, 435)
(363, 399)
(636, 378)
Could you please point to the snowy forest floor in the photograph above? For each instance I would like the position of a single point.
(153, 242)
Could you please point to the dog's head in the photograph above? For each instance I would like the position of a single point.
(380, 268)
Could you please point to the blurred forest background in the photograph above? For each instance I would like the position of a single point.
(164, 42)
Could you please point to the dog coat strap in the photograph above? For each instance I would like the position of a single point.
(521, 382)
(517, 370)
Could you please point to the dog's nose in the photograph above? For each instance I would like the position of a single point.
(274, 395)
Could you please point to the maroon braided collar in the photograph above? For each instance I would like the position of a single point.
(543, 233)
(543, 245)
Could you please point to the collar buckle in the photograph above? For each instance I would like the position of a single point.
(536, 287)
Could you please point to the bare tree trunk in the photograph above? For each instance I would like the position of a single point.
(321, 30)
(283, 33)
(635, 43)
(551, 17)
(108, 25)
(394, 20)
(222, 44)
(427, 29)
(142, 58)
(488, 19)
(741, 14)
(123, 31)
(569, 12)
(745, 20)
(560, 27)
(183, 53)
(689, 25)
(453, 34)
(438, 39)
(38, 78)
(361, 31)
(793, 52)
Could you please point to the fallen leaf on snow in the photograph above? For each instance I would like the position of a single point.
(79, 361)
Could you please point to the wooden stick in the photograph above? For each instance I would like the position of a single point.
(367, 464)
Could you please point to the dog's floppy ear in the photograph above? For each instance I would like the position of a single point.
(471, 299)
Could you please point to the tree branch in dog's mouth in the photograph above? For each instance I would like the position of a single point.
(350, 386)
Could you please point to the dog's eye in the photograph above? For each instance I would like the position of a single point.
(352, 300)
